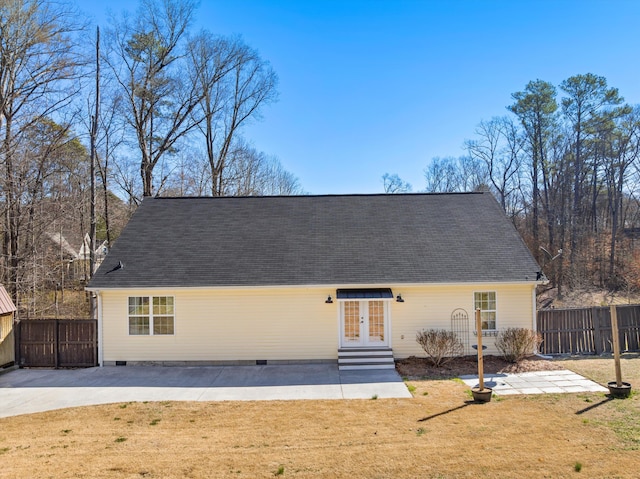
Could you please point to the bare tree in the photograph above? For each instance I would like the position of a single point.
(235, 83)
(109, 140)
(395, 184)
(624, 152)
(50, 174)
(442, 175)
(279, 181)
(253, 173)
(39, 67)
(191, 174)
(499, 147)
(148, 62)
(449, 175)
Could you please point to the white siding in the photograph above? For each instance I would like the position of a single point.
(220, 325)
(7, 349)
(290, 324)
(431, 307)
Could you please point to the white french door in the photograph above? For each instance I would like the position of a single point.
(364, 323)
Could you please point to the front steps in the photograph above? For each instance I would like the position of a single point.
(365, 358)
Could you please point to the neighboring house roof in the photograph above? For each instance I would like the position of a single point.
(62, 243)
(72, 254)
(317, 240)
(85, 249)
(6, 305)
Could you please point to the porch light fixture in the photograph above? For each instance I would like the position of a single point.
(399, 299)
(329, 300)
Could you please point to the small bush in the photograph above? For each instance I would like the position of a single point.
(440, 345)
(515, 344)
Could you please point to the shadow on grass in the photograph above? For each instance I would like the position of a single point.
(433, 416)
(593, 406)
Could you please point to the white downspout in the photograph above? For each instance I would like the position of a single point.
(534, 308)
(534, 316)
(100, 333)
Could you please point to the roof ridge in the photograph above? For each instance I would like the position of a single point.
(331, 195)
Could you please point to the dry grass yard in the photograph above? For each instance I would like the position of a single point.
(438, 433)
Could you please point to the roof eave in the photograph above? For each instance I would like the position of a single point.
(315, 286)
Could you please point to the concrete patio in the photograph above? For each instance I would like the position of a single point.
(25, 391)
(538, 382)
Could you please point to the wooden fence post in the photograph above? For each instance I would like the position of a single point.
(56, 342)
(597, 336)
(616, 344)
(16, 341)
(480, 360)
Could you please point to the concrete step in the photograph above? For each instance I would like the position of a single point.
(358, 367)
(365, 358)
(365, 352)
(369, 359)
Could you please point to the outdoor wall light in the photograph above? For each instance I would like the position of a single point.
(399, 299)
(329, 300)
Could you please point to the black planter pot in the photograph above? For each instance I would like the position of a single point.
(619, 392)
(482, 396)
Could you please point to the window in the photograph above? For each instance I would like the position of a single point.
(151, 315)
(6, 323)
(486, 301)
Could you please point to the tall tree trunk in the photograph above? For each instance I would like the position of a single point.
(577, 198)
(534, 201)
(12, 225)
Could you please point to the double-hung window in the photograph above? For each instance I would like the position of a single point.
(486, 302)
(151, 315)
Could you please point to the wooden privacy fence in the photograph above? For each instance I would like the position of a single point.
(57, 343)
(588, 330)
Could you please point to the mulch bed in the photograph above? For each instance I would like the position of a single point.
(421, 368)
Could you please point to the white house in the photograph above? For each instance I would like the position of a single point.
(347, 278)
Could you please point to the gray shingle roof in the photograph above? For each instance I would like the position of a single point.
(317, 240)
(6, 304)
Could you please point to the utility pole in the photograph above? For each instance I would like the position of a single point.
(94, 134)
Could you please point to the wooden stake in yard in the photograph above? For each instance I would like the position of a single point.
(479, 336)
(616, 344)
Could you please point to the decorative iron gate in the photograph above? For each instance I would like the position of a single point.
(460, 326)
(57, 343)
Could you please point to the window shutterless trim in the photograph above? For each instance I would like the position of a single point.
(488, 331)
(151, 315)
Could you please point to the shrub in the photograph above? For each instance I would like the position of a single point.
(515, 344)
(440, 345)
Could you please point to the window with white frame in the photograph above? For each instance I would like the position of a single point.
(486, 302)
(151, 315)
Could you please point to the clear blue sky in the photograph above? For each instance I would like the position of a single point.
(372, 86)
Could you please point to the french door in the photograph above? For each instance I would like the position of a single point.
(364, 323)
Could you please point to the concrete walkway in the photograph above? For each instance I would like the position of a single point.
(538, 382)
(26, 391)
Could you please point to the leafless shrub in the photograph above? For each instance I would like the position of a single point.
(440, 345)
(515, 344)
